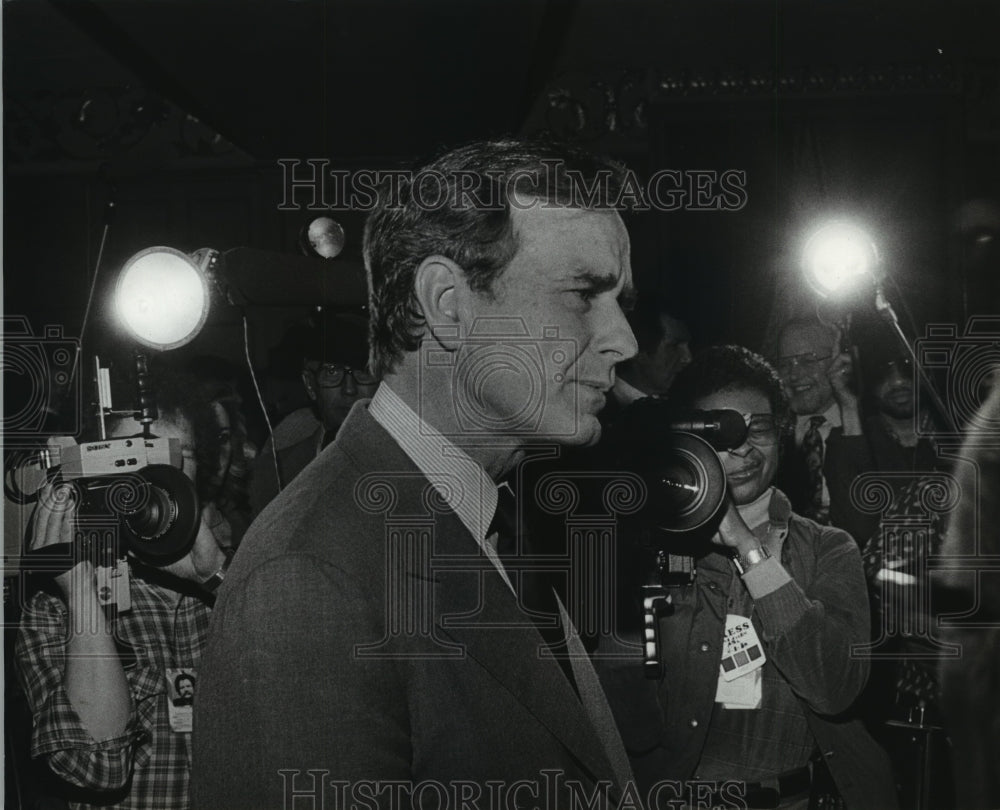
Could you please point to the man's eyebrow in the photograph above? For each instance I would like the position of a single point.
(598, 282)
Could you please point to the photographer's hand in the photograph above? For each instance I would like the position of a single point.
(733, 530)
(95, 681)
(206, 555)
(840, 374)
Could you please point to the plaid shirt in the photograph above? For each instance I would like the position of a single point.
(148, 766)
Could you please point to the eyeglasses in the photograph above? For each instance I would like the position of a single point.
(762, 428)
(332, 375)
(806, 361)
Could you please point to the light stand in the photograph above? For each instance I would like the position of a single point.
(840, 256)
(888, 314)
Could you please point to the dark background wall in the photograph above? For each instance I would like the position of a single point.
(179, 112)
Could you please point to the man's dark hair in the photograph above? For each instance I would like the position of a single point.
(459, 207)
(727, 368)
(182, 676)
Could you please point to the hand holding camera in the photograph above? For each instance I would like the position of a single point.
(207, 554)
(733, 530)
(55, 523)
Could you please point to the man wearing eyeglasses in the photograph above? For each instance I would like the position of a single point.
(758, 676)
(335, 376)
(897, 437)
(816, 377)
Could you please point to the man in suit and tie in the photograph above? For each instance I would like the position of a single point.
(368, 641)
(816, 376)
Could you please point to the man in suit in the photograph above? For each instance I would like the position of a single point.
(816, 376)
(368, 639)
(664, 351)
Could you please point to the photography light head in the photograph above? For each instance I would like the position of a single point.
(162, 296)
(839, 258)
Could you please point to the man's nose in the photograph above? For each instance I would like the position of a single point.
(897, 377)
(685, 354)
(796, 371)
(350, 384)
(742, 451)
(619, 339)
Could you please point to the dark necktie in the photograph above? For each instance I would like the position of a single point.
(504, 524)
(533, 589)
(812, 451)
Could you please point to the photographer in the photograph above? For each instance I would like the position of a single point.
(96, 670)
(782, 588)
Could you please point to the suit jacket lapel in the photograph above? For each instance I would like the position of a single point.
(479, 611)
(476, 608)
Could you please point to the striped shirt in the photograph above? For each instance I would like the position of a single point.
(461, 481)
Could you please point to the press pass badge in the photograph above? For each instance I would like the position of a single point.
(742, 651)
(743, 693)
(180, 698)
(113, 586)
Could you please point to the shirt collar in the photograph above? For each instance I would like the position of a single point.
(831, 415)
(757, 512)
(461, 481)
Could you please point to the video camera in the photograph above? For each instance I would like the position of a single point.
(675, 452)
(135, 485)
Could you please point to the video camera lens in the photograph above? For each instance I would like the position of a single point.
(156, 508)
(687, 483)
(675, 453)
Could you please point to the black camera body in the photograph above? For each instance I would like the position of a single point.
(136, 483)
(675, 452)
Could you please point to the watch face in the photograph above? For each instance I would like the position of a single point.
(754, 556)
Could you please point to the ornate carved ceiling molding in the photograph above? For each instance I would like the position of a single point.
(76, 130)
(613, 104)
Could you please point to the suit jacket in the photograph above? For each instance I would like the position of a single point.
(339, 645)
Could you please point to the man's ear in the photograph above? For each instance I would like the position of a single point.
(309, 381)
(437, 286)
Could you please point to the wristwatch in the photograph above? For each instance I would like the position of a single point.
(213, 582)
(755, 556)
